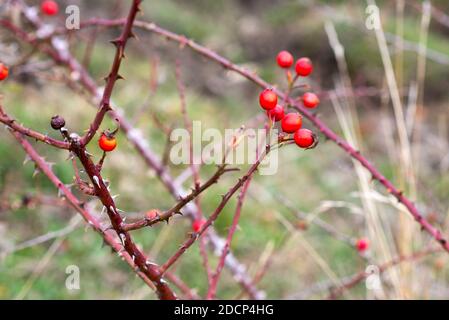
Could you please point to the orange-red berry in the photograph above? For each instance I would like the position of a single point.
(310, 100)
(362, 244)
(107, 143)
(291, 122)
(304, 67)
(198, 224)
(284, 59)
(304, 138)
(49, 7)
(268, 99)
(4, 71)
(277, 113)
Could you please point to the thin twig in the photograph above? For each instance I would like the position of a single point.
(213, 286)
(215, 214)
(178, 206)
(195, 171)
(113, 76)
(11, 123)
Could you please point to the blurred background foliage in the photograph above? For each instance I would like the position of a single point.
(320, 183)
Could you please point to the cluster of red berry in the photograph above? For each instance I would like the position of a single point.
(291, 122)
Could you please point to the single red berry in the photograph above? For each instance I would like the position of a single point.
(310, 100)
(304, 138)
(4, 71)
(291, 122)
(107, 143)
(268, 99)
(284, 59)
(49, 7)
(304, 67)
(277, 113)
(362, 244)
(198, 224)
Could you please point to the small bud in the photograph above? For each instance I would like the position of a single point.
(57, 122)
(152, 214)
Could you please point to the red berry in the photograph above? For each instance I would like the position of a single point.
(362, 244)
(4, 71)
(107, 143)
(49, 7)
(304, 138)
(268, 99)
(198, 224)
(284, 59)
(277, 113)
(303, 67)
(291, 122)
(310, 100)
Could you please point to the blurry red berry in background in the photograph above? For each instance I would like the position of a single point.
(304, 67)
(291, 122)
(49, 7)
(277, 113)
(310, 100)
(304, 138)
(268, 99)
(198, 224)
(362, 244)
(284, 59)
(4, 71)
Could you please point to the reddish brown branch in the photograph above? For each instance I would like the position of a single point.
(91, 220)
(113, 76)
(101, 190)
(177, 207)
(195, 171)
(75, 203)
(216, 276)
(11, 123)
(188, 243)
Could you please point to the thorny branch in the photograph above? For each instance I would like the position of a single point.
(79, 207)
(320, 125)
(113, 76)
(225, 198)
(101, 191)
(62, 56)
(165, 216)
(11, 123)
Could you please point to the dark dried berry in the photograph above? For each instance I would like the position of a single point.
(57, 122)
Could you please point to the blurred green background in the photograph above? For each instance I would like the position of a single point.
(320, 182)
